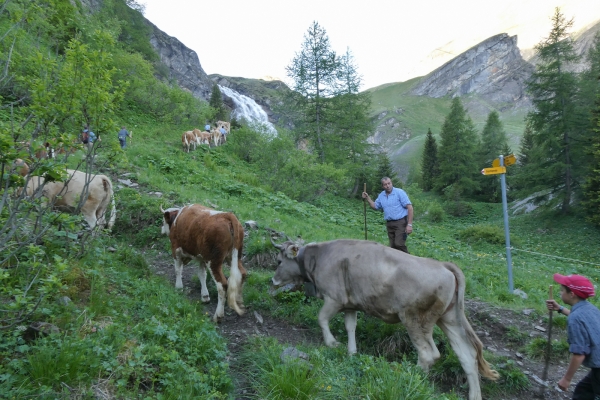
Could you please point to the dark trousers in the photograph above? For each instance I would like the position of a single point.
(123, 143)
(589, 387)
(396, 231)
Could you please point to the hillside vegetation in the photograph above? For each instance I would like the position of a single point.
(83, 314)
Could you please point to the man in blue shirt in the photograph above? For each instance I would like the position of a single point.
(583, 334)
(397, 212)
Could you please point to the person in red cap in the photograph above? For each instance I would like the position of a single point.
(583, 333)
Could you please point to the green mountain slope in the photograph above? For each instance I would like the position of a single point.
(402, 120)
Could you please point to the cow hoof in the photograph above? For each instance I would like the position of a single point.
(206, 299)
(335, 343)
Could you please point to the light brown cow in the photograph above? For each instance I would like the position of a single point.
(357, 275)
(20, 167)
(65, 196)
(223, 124)
(202, 137)
(216, 136)
(188, 139)
(212, 238)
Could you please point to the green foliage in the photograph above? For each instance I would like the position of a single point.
(429, 163)
(553, 90)
(458, 165)
(482, 233)
(559, 349)
(435, 213)
(493, 142)
(216, 103)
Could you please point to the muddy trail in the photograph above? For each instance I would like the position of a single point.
(495, 327)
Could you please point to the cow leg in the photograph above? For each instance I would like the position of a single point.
(350, 321)
(466, 353)
(178, 269)
(330, 308)
(202, 278)
(421, 336)
(240, 299)
(216, 272)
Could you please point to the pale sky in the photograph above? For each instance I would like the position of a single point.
(391, 40)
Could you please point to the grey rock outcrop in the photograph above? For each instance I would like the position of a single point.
(182, 62)
(493, 69)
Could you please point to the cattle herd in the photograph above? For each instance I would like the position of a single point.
(349, 275)
(196, 137)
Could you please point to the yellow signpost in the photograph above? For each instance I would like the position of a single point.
(508, 160)
(493, 171)
(499, 167)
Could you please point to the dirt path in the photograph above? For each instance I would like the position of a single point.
(493, 326)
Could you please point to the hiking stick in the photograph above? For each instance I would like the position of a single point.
(549, 344)
(365, 210)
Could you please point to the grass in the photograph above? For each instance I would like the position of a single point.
(143, 339)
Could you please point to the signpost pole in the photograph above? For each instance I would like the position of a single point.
(506, 232)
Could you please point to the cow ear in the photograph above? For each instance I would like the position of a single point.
(291, 251)
(167, 216)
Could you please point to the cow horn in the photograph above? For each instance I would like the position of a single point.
(279, 246)
(161, 209)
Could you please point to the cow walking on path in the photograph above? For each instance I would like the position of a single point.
(211, 237)
(356, 275)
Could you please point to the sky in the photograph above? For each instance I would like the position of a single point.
(391, 40)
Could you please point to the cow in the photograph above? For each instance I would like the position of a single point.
(65, 196)
(223, 124)
(202, 137)
(188, 139)
(211, 237)
(357, 275)
(216, 136)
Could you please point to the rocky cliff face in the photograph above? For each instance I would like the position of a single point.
(183, 63)
(493, 69)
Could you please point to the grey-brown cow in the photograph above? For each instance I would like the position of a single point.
(356, 275)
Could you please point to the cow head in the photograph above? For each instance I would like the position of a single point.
(288, 269)
(169, 216)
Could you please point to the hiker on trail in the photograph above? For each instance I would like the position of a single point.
(583, 334)
(223, 133)
(397, 212)
(207, 127)
(88, 137)
(123, 135)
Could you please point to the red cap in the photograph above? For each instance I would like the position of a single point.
(580, 285)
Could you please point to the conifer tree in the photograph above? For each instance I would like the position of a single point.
(553, 91)
(216, 102)
(314, 71)
(458, 165)
(429, 163)
(493, 141)
(592, 184)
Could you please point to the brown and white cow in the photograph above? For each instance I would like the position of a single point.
(211, 237)
(357, 275)
(188, 139)
(223, 124)
(202, 137)
(65, 196)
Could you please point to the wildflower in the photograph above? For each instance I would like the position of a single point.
(329, 388)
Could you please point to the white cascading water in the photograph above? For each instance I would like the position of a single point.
(246, 108)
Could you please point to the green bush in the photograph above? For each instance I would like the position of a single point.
(482, 233)
(435, 213)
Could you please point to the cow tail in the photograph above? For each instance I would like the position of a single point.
(234, 282)
(484, 367)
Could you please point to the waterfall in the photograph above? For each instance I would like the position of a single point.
(246, 108)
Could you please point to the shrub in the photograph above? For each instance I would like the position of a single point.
(482, 233)
(435, 213)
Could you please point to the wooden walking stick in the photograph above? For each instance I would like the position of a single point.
(549, 344)
(365, 210)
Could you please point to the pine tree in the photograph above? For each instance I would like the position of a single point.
(345, 140)
(553, 91)
(592, 184)
(314, 71)
(493, 141)
(458, 166)
(429, 163)
(216, 102)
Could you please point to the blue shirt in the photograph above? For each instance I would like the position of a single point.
(583, 332)
(393, 205)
